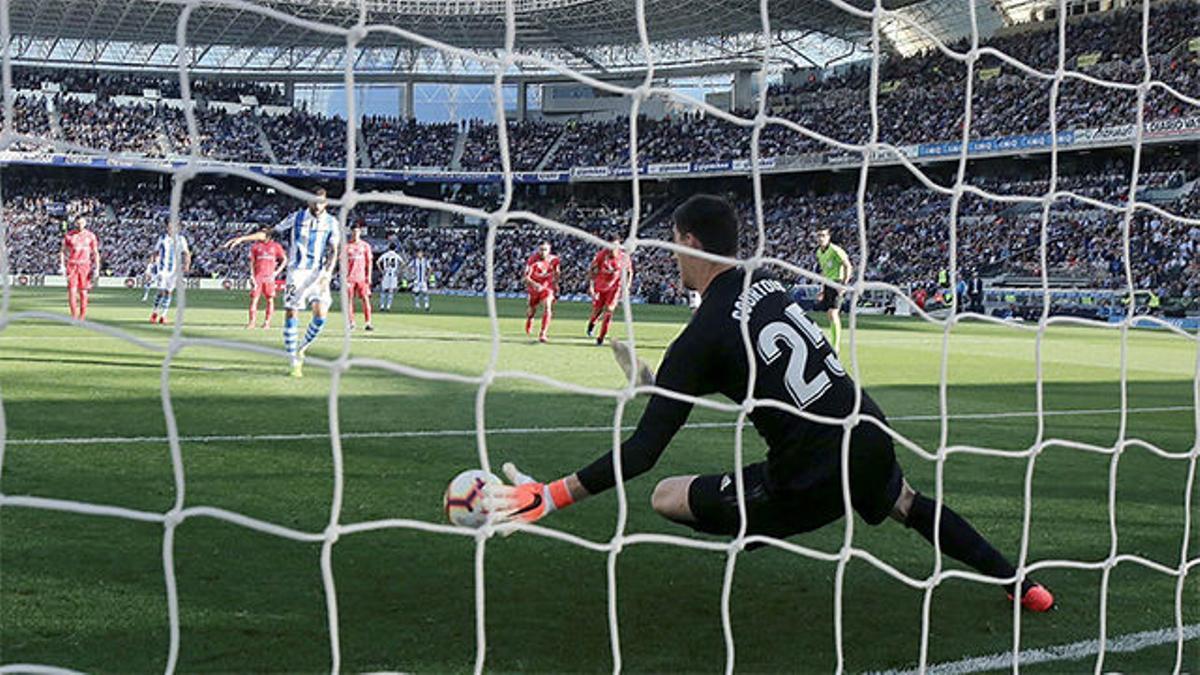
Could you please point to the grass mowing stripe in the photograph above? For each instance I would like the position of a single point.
(221, 438)
(1069, 652)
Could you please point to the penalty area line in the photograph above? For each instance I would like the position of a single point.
(1120, 644)
(454, 433)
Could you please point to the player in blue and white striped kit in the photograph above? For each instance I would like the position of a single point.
(421, 274)
(171, 259)
(313, 237)
(389, 263)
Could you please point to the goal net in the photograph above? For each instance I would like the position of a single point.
(760, 123)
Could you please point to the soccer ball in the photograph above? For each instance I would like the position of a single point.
(463, 501)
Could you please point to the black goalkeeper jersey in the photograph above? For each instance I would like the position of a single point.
(795, 365)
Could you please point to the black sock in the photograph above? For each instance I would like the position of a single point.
(959, 540)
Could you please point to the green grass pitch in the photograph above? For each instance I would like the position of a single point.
(87, 592)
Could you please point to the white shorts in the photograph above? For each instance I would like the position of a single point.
(420, 287)
(304, 287)
(163, 281)
(389, 283)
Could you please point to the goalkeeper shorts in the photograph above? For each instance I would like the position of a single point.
(875, 484)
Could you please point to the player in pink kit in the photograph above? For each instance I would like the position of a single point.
(541, 280)
(80, 259)
(267, 260)
(608, 273)
(358, 274)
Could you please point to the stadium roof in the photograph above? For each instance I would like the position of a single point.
(591, 35)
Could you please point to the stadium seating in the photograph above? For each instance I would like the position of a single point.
(907, 232)
(906, 226)
(921, 102)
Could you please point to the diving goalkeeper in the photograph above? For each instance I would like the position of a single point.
(799, 486)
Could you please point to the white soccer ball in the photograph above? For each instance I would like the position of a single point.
(463, 501)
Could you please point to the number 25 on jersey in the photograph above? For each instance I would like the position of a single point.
(798, 334)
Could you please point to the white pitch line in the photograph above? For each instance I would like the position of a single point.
(453, 433)
(1074, 651)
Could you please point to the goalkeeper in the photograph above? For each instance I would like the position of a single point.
(799, 486)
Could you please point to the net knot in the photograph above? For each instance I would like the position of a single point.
(355, 34)
(934, 580)
(617, 544)
(349, 200)
(172, 518)
(749, 404)
(488, 529)
(333, 533)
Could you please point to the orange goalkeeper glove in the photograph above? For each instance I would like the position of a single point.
(526, 499)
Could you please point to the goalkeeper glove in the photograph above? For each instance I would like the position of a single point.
(526, 499)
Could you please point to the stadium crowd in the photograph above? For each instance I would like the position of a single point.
(528, 144)
(921, 99)
(907, 231)
(105, 84)
(395, 143)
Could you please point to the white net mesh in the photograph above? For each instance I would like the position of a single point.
(502, 63)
